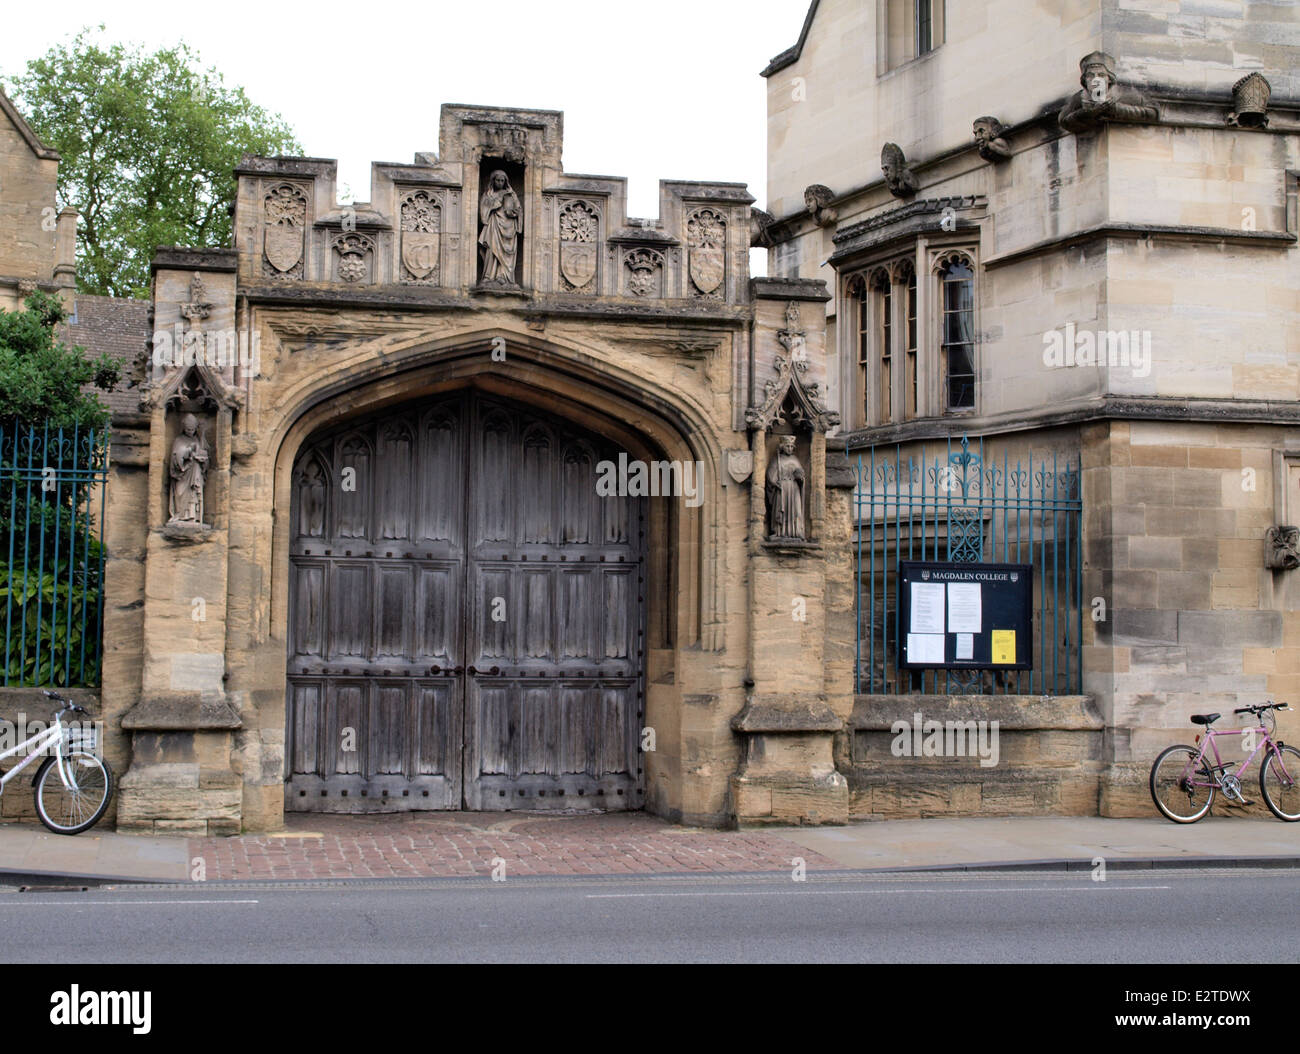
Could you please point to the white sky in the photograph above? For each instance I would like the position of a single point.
(667, 89)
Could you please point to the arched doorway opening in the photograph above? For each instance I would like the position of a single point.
(466, 614)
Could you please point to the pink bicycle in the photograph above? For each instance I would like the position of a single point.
(1183, 780)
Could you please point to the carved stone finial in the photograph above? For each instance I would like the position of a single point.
(788, 392)
(989, 139)
(1250, 97)
(898, 173)
(197, 309)
(1102, 99)
(1283, 548)
(817, 199)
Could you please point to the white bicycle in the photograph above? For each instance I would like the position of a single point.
(73, 785)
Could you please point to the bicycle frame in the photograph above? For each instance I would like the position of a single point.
(56, 736)
(1212, 734)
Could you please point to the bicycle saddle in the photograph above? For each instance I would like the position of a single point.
(1205, 719)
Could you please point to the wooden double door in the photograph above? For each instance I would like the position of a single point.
(465, 616)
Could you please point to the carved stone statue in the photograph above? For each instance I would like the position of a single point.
(1102, 100)
(502, 217)
(784, 493)
(898, 174)
(989, 141)
(189, 464)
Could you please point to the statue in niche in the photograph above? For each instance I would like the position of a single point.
(989, 140)
(502, 217)
(898, 173)
(784, 492)
(1101, 99)
(189, 464)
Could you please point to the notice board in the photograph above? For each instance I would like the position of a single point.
(965, 616)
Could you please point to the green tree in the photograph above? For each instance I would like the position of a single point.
(149, 143)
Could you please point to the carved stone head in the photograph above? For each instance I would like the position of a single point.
(898, 175)
(817, 199)
(1097, 75)
(786, 444)
(988, 139)
(1250, 97)
(986, 129)
(189, 424)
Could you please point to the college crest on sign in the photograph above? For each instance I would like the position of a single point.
(578, 263)
(707, 269)
(284, 246)
(740, 464)
(420, 252)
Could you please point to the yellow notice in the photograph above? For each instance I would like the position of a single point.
(1004, 647)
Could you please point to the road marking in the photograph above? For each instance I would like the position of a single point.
(851, 892)
(179, 902)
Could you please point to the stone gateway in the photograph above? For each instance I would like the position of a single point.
(472, 529)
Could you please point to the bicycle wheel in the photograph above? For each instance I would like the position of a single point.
(67, 811)
(1175, 796)
(1281, 789)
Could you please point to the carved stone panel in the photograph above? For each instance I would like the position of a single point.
(644, 273)
(421, 236)
(579, 246)
(355, 258)
(284, 215)
(706, 237)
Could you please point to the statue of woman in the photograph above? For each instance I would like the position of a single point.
(189, 462)
(503, 221)
(785, 492)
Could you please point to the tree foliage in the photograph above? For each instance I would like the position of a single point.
(149, 143)
(41, 378)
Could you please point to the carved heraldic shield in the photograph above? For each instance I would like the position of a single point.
(579, 229)
(421, 228)
(706, 234)
(286, 216)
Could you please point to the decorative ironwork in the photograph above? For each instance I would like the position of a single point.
(954, 505)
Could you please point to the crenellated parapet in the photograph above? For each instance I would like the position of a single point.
(493, 213)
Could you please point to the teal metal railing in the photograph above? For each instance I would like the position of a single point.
(955, 507)
(51, 554)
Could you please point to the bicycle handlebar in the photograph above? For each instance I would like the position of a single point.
(1261, 709)
(68, 703)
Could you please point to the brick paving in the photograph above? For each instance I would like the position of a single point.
(441, 845)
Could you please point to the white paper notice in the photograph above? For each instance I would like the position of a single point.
(963, 607)
(965, 646)
(925, 647)
(927, 607)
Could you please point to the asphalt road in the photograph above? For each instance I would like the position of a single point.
(1133, 917)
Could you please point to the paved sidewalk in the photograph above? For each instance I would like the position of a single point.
(434, 845)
